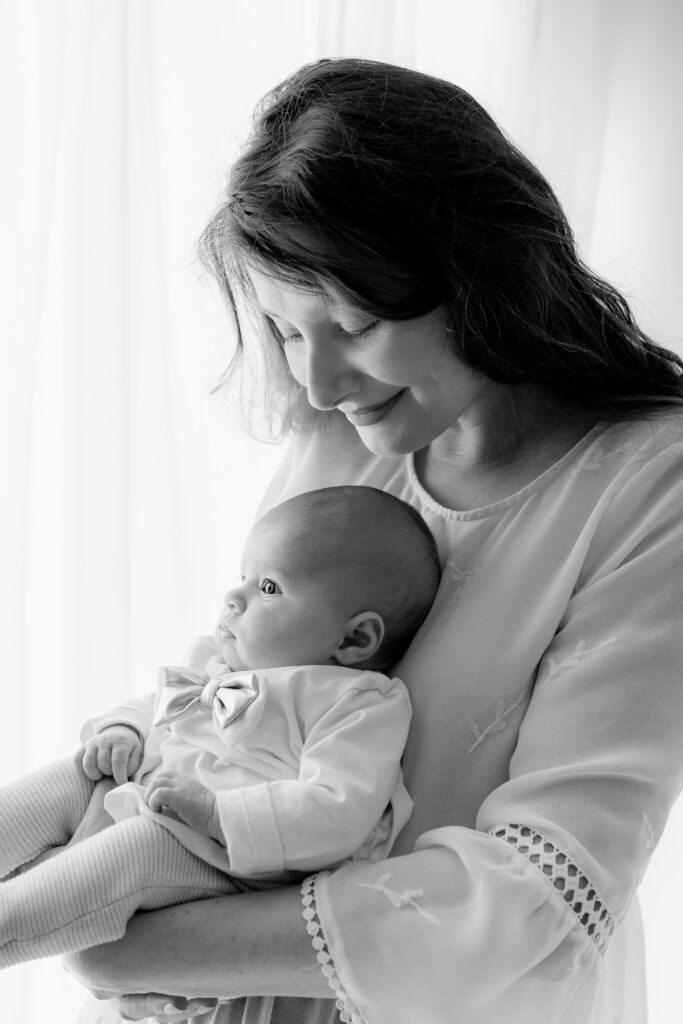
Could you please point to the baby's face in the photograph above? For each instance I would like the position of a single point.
(286, 610)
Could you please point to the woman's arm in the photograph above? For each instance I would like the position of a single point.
(251, 944)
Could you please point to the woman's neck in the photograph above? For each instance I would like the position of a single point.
(486, 458)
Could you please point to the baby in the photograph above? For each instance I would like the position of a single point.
(274, 752)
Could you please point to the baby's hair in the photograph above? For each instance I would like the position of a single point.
(388, 555)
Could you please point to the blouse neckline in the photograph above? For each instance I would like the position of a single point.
(502, 504)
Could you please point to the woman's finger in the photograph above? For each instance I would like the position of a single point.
(152, 1004)
(165, 1009)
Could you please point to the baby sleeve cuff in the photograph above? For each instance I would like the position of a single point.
(250, 831)
(131, 717)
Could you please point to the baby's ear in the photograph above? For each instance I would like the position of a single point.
(362, 637)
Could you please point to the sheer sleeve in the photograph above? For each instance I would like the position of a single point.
(510, 921)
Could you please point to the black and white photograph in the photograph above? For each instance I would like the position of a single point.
(341, 528)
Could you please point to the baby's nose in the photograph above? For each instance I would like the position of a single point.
(234, 601)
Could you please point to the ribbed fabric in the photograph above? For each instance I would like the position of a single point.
(86, 894)
(41, 810)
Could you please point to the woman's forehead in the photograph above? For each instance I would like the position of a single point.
(279, 298)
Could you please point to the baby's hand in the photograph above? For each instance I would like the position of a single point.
(193, 803)
(115, 751)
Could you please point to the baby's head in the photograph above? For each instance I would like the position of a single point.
(341, 575)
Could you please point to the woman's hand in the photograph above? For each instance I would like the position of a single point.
(164, 1009)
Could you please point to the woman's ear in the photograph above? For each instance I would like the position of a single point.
(362, 637)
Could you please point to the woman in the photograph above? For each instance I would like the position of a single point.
(429, 329)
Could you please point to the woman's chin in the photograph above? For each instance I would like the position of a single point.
(388, 442)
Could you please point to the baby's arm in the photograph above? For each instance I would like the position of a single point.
(349, 770)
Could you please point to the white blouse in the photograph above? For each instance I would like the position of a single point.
(546, 745)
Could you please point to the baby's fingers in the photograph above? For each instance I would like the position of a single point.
(160, 793)
(119, 760)
(134, 760)
(90, 758)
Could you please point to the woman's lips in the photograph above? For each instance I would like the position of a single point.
(373, 413)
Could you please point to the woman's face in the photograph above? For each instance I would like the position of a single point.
(396, 381)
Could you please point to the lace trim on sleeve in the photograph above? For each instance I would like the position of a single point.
(348, 1011)
(565, 877)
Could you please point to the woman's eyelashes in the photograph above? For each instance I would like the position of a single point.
(361, 332)
(283, 337)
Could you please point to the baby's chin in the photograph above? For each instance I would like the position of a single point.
(229, 655)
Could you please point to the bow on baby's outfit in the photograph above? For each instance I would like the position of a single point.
(185, 690)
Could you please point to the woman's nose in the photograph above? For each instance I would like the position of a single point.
(328, 377)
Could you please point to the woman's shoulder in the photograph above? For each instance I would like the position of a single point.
(660, 429)
(643, 446)
(628, 490)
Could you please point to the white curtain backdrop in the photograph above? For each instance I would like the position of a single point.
(126, 489)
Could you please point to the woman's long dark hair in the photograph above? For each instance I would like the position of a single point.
(401, 191)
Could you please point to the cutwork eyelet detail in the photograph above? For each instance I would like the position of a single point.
(565, 877)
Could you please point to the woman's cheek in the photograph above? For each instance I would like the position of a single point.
(296, 362)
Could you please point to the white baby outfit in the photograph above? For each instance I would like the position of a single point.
(305, 765)
(304, 760)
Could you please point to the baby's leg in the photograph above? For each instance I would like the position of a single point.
(86, 894)
(41, 810)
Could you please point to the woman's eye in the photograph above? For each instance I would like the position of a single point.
(284, 338)
(360, 332)
(281, 338)
(270, 588)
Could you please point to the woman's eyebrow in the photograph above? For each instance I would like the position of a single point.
(316, 293)
(282, 316)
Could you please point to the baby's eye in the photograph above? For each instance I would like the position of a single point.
(270, 588)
